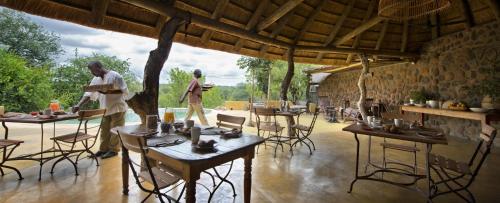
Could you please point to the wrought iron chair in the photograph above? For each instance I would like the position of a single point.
(273, 129)
(7, 147)
(228, 122)
(303, 132)
(154, 174)
(458, 176)
(412, 148)
(82, 136)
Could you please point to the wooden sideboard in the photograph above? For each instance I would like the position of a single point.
(485, 118)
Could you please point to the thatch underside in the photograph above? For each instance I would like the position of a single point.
(322, 31)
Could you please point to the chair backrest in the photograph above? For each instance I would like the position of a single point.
(133, 143)
(313, 122)
(91, 114)
(84, 116)
(228, 121)
(260, 112)
(487, 136)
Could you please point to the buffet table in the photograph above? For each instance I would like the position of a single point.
(485, 118)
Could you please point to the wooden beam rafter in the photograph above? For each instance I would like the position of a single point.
(280, 12)
(310, 20)
(495, 8)
(467, 12)
(367, 16)
(99, 8)
(337, 27)
(219, 9)
(358, 30)
(381, 36)
(281, 24)
(252, 22)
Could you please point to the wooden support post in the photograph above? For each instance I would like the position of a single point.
(146, 102)
(435, 26)
(404, 40)
(285, 84)
(362, 86)
(308, 93)
(469, 17)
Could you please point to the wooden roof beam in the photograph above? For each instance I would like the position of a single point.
(341, 50)
(404, 40)
(99, 8)
(495, 8)
(281, 24)
(280, 12)
(367, 16)
(360, 29)
(469, 17)
(337, 27)
(381, 36)
(310, 20)
(221, 5)
(252, 22)
(435, 25)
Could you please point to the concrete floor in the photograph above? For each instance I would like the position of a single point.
(323, 177)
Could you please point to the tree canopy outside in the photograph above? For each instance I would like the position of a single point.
(23, 88)
(25, 38)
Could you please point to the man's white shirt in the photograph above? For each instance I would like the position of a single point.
(113, 103)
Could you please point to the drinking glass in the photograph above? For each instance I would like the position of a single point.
(54, 106)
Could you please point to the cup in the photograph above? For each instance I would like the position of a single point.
(369, 120)
(2, 110)
(189, 123)
(152, 122)
(195, 135)
(398, 122)
(47, 112)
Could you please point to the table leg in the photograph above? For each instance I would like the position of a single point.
(248, 179)
(290, 122)
(41, 155)
(6, 136)
(357, 163)
(191, 190)
(428, 172)
(125, 170)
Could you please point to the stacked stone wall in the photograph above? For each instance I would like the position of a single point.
(448, 67)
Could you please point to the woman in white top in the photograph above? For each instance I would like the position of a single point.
(114, 103)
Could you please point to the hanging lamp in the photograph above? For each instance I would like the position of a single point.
(401, 10)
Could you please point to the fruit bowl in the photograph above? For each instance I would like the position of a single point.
(479, 110)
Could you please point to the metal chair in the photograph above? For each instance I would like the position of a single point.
(303, 132)
(7, 147)
(273, 129)
(458, 176)
(228, 122)
(154, 174)
(82, 136)
(413, 149)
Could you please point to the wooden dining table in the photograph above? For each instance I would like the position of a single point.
(189, 163)
(28, 119)
(415, 135)
(290, 121)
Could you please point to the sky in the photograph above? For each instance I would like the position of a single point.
(219, 67)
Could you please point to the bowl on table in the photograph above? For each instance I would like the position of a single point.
(479, 110)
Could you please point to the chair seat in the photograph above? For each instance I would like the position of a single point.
(272, 128)
(7, 143)
(450, 164)
(69, 138)
(163, 178)
(300, 127)
(400, 147)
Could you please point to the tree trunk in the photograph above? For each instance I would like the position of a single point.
(362, 86)
(308, 94)
(288, 77)
(146, 102)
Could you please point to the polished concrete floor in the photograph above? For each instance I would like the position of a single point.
(322, 177)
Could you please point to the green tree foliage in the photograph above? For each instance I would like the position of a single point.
(68, 80)
(23, 89)
(177, 84)
(24, 38)
(261, 68)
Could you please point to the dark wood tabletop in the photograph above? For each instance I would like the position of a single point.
(26, 118)
(407, 135)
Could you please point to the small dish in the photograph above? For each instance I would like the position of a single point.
(479, 110)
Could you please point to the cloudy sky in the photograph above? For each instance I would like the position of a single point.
(219, 67)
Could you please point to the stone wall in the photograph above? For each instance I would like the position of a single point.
(448, 66)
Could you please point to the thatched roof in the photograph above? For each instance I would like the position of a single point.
(327, 32)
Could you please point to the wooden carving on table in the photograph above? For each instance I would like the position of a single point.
(146, 102)
(362, 86)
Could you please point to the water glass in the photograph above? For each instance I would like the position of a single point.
(398, 122)
(189, 123)
(195, 135)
